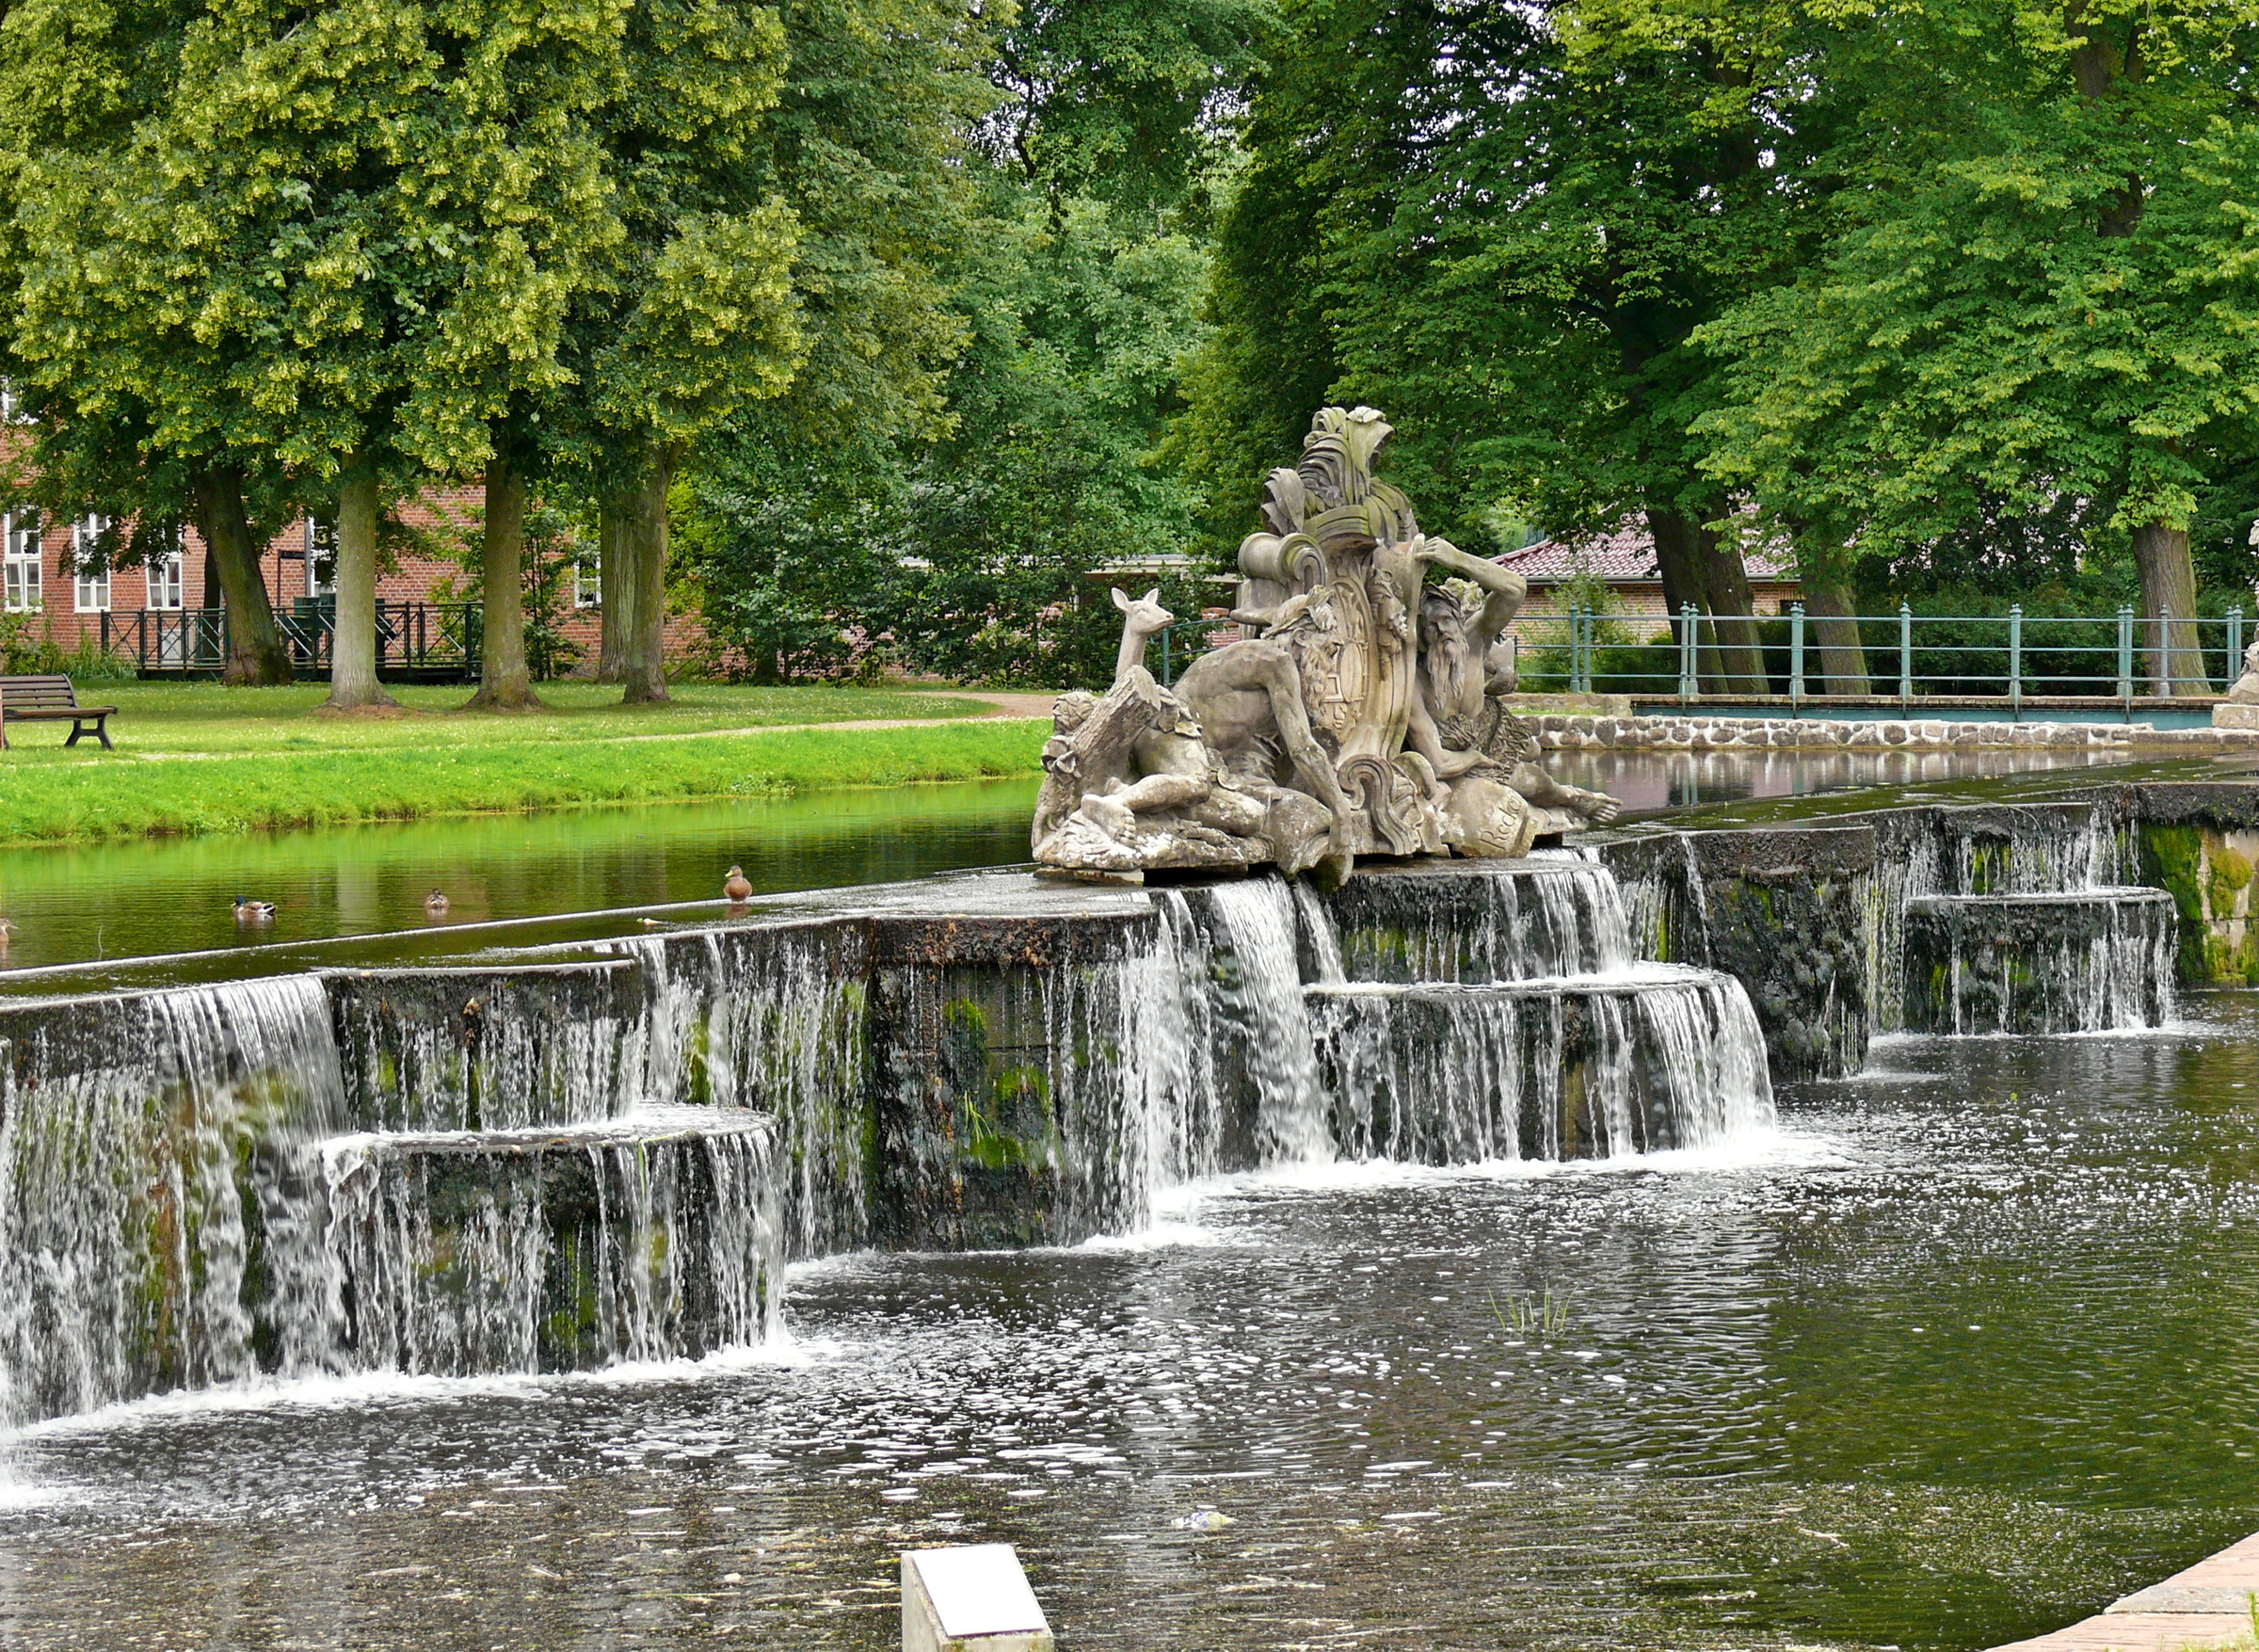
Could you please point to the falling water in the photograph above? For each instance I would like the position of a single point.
(462, 1253)
(1254, 962)
(771, 1019)
(531, 1168)
(153, 1166)
(1598, 1068)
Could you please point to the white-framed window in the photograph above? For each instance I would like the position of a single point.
(321, 557)
(167, 582)
(90, 568)
(20, 590)
(587, 584)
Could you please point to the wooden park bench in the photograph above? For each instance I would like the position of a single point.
(51, 700)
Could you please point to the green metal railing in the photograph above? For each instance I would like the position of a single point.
(2014, 659)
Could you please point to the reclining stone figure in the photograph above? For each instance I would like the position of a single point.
(1463, 722)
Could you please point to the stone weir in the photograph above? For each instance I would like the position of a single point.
(580, 1157)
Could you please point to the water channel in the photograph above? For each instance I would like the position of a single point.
(557, 876)
(1950, 1352)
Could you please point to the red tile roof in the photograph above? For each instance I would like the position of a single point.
(1626, 557)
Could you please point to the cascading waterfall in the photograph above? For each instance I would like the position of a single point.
(530, 1251)
(1492, 1013)
(192, 1196)
(2020, 920)
(768, 1019)
(1256, 969)
(1443, 1075)
(152, 1172)
(571, 1164)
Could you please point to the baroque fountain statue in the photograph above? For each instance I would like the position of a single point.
(1363, 710)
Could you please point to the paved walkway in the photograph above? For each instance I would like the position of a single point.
(2208, 1604)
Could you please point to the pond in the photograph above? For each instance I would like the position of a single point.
(1958, 1354)
(153, 897)
(356, 894)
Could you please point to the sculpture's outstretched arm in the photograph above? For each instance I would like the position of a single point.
(1508, 589)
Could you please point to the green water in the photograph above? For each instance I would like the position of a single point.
(158, 896)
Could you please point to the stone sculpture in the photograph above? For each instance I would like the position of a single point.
(2240, 710)
(1363, 712)
(2245, 690)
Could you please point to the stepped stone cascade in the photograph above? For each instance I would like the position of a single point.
(612, 1151)
(2070, 962)
(1834, 927)
(196, 1191)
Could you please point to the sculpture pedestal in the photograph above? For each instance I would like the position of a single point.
(2231, 714)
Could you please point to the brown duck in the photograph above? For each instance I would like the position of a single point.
(739, 888)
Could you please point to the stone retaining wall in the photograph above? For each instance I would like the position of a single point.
(1559, 732)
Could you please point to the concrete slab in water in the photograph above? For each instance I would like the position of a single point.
(971, 1599)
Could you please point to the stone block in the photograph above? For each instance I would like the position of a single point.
(973, 1598)
(2228, 715)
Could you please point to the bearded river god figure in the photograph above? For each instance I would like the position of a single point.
(1363, 712)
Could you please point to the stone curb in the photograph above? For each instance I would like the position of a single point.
(2208, 1604)
(1558, 731)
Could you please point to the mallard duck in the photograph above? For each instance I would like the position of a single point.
(254, 911)
(6, 929)
(435, 903)
(738, 888)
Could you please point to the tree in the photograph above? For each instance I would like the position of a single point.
(2040, 285)
(1503, 226)
(865, 145)
(970, 553)
(333, 245)
(1121, 100)
(696, 314)
(131, 410)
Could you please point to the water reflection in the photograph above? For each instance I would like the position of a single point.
(1958, 1357)
(1676, 779)
(151, 896)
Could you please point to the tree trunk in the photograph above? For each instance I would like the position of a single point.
(644, 538)
(353, 645)
(256, 655)
(503, 683)
(1842, 657)
(613, 617)
(1734, 617)
(2177, 663)
(1679, 562)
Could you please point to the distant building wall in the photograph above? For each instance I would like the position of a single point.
(42, 577)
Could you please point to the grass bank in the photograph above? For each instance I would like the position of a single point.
(167, 718)
(199, 769)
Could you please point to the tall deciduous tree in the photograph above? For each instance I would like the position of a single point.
(1503, 225)
(336, 245)
(2043, 284)
(131, 410)
(696, 315)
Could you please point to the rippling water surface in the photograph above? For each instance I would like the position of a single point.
(1962, 1353)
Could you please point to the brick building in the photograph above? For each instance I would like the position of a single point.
(152, 612)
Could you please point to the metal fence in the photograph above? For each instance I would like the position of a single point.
(2013, 658)
(438, 640)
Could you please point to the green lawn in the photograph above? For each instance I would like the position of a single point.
(196, 757)
(159, 718)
